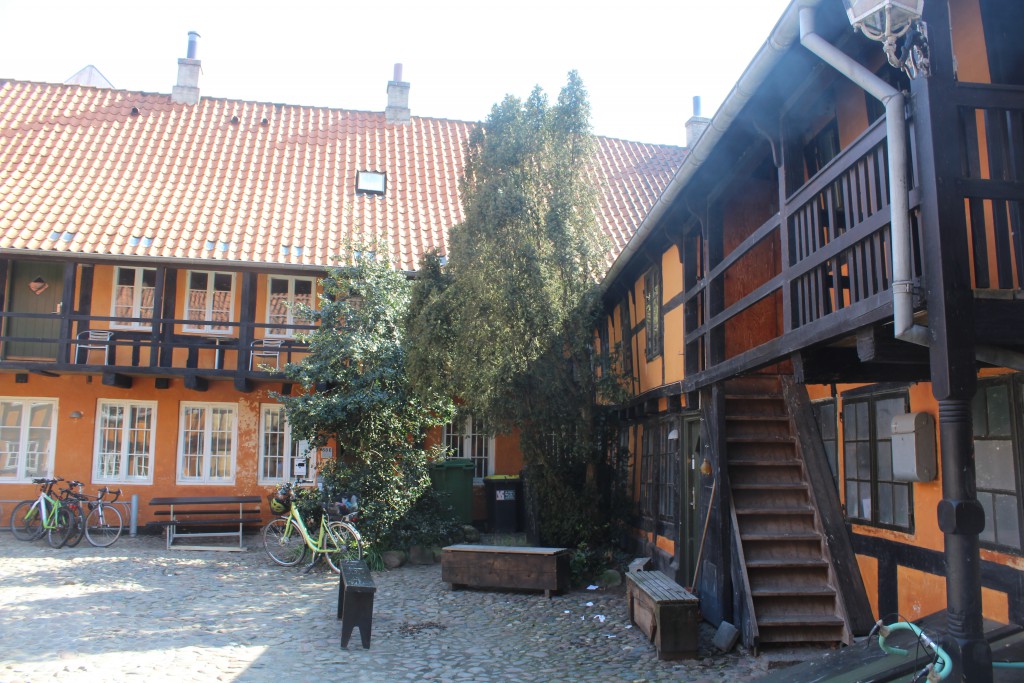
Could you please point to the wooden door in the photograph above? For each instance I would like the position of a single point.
(34, 287)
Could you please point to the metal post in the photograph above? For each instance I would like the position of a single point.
(961, 519)
(133, 527)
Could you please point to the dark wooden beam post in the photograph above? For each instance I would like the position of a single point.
(953, 369)
(170, 289)
(67, 307)
(715, 291)
(156, 329)
(247, 321)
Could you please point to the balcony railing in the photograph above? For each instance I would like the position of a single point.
(831, 241)
(992, 182)
(151, 346)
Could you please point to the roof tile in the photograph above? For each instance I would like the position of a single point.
(281, 176)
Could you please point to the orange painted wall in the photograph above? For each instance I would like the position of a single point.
(75, 438)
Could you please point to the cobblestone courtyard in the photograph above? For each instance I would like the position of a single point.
(137, 612)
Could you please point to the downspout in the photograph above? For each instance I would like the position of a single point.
(899, 199)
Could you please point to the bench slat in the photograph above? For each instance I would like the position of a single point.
(206, 500)
(178, 513)
(207, 522)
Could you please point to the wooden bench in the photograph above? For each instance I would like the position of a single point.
(355, 601)
(191, 511)
(665, 611)
(506, 567)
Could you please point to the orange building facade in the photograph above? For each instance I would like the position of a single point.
(753, 318)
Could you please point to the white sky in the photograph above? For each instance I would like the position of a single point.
(641, 61)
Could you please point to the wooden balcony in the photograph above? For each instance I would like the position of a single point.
(831, 241)
(123, 348)
(831, 244)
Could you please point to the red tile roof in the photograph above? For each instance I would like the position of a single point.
(99, 171)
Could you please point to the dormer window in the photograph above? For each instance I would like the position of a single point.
(371, 182)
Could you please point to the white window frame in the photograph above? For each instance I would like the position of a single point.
(286, 454)
(202, 321)
(290, 315)
(137, 290)
(124, 455)
(458, 437)
(21, 448)
(204, 455)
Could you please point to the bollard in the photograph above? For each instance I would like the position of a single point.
(133, 528)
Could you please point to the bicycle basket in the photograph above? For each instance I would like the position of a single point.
(280, 502)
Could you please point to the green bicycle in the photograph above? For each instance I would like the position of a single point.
(30, 519)
(286, 538)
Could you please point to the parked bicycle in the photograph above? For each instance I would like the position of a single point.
(940, 665)
(286, 538)
(31, 519)
(104, 523)
(73, 498)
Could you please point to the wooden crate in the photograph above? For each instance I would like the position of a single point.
(506, 567)
(666, 612)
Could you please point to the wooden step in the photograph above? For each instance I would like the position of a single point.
(761, 438)
(822, 591)
(765, 462)
(773, 486)
(812, 619)
(788, 563)
(780, 536)
(775, 511)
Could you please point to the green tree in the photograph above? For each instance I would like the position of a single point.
(356, 391)
(507, 325)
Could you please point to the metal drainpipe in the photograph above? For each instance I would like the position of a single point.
(896, 131)
(904, 327)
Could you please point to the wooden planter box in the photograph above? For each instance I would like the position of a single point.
(665, 611)
(506, 567)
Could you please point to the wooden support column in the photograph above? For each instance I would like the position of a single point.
(67, 307)
(715, 292)
(953, 372)
(170, 288)
(247, 321)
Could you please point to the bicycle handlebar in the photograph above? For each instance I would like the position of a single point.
(935, 671)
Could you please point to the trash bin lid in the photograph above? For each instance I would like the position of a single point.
(502, 477)
(455, 463)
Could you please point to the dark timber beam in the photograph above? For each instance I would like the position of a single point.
(116, 379)
(876, 344)
(196, 383)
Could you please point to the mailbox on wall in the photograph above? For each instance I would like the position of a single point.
(913, 447)
(304, 461)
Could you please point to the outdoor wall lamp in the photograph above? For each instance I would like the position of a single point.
(888, 20)
(75, 415)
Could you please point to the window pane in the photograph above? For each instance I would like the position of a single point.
(979, 413)
(10, 437)
(987, 502)
(111, 431)
(852, 500)
(885, 496)
(885, 409)
(862, 452)
(198, 280)
(901, 505)
(864, 490)
(994, 465)
(1007, 518)
(192, 442)
(126, 277)
(222, 282)
(998, 410)
(274, 444)
(303, 288)
(885, 461)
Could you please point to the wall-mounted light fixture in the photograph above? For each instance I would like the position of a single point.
(673, 435)
(889, 20)
(75, 415)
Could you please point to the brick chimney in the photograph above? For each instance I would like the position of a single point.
(187, 89)
(398, 99)
(696, 124)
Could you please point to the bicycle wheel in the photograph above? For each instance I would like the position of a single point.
(77, 526)
(283, 542)
(103, 525)
(62, 523)
(26, 522)
(341, 542)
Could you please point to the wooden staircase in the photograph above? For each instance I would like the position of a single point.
(789, 575)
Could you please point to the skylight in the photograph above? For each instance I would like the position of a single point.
(372, 182)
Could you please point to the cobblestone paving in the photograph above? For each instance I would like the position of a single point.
(138, 612)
